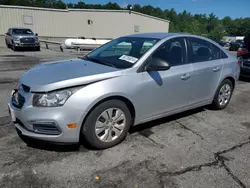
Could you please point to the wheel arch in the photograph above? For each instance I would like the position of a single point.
(115, 97)
(231, 78)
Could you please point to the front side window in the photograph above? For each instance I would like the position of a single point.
(173, 52)
(201, 50)
(123, 52)
(22, 32)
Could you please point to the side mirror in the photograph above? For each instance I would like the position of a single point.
(36, 34)
(7, 34)
(156, 64)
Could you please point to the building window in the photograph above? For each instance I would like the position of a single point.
(136, 28)
(27, 20)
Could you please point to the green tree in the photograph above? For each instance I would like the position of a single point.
(136, 7)
(80, 5)
(111, 6)
(194, 27)
(217, 33)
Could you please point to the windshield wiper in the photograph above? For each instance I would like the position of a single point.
(98, 61)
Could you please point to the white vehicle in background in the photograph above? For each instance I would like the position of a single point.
(72, 42)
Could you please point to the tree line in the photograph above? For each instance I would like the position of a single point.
(201, 24)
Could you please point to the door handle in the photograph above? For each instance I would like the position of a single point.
(185, 76)
(216, 69)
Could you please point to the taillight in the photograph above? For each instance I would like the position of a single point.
(242, 51)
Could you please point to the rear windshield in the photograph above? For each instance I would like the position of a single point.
(22, 32)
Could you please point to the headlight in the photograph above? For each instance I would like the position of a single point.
(16, 38)
(37, 39)
(53, 99)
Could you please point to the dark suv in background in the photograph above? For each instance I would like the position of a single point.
(243, 55)
(235, 45)
(22, 38)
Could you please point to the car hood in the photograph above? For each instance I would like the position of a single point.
(61, 74)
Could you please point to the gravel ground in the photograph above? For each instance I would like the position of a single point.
(199, 148)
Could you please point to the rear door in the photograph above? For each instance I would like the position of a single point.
(207, 65)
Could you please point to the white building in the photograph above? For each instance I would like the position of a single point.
(87, 23)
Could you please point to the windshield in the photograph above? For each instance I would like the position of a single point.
(123, 52)
(22, 32)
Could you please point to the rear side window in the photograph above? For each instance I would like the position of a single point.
(202, 50)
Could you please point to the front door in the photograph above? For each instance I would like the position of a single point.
(165, 91)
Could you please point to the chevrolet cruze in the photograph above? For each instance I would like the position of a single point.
(128, 81)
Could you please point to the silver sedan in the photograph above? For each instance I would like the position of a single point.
(128, 81)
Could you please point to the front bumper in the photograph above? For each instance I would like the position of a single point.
(25, 118)
(27, 45)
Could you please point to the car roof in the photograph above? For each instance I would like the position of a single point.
(157, 35)
(161, 36)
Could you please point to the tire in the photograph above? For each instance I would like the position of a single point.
(218, 104)
(8, 46)
(89, 129)
(37, 48)
(14, 48)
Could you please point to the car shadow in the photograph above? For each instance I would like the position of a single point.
(26, 50)
(151, 124)
(49, 146)
(84, 147)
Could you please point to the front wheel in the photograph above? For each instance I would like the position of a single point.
(107, 124)
(14, 48)
(37, 48)
(8, 46)
(223, 95)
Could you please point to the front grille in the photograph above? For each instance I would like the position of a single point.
(27, 40)
(18, 100)
(48, 128)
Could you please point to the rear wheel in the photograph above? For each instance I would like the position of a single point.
(223, 95)
(107, 125)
